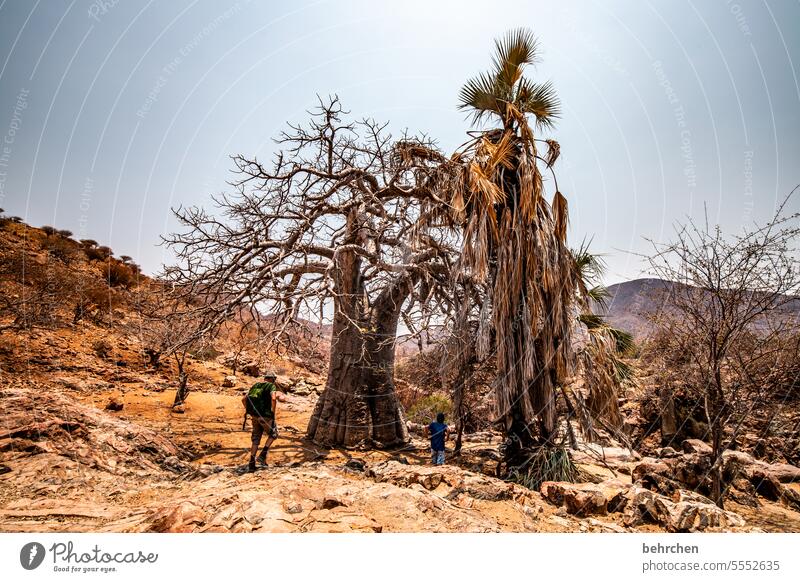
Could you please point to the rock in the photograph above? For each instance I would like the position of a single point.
(591, 453)
(4, 469)
(696, 446)
(689, 513)
(355, 464)
(331, 502)
(583, 499)
(179, 409)
(300, 388)
(184, 518)
(251, 369)
(447, 476)
(115, 404)
(612, 527)
(785, 473)
(294, 508)
(649, 467)
(229, 382)
(579, 499)
(668, 453)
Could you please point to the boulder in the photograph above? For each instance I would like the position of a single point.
(649, 466)
(785, 473)
(229, 382)
(115, 404)
(251, 369)
(688, 512)
(696, 446)
(579, 499)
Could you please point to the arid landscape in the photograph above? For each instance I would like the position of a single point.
(90, 441)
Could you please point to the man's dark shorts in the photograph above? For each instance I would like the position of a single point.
(261, 424)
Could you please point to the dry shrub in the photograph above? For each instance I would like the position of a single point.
(119, 275)
(95, 253)
(60, 248)
(426, 408)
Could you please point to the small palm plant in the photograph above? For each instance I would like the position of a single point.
(605, 371)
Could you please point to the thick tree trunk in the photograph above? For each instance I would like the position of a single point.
(359, 405)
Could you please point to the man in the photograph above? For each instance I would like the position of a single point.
(438, 434)
(260, 402)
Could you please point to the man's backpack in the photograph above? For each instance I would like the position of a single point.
(259, 399)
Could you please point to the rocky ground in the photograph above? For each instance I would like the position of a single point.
(78, 456)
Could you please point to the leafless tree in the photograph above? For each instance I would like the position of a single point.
(344, 221)
(169, 328)
(729, 303)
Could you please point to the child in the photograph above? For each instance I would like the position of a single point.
(438, 434)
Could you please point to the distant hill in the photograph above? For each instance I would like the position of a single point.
(632, 304)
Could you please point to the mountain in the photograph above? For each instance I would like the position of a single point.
(632, 305)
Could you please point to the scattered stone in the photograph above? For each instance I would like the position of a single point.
(293, 508)
(115, 404)
(179, 409)
(229, 382)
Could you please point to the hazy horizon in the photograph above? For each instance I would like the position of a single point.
(111, 112)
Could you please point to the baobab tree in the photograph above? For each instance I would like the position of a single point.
(345, 220)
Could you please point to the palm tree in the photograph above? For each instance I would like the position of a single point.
(515, 242)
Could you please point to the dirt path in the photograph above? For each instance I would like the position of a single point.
(211, 428)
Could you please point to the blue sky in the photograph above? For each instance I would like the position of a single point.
(111, 112)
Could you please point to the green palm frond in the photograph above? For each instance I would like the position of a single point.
(483, 95)
(597, 324)
(622, 371)
(512, 51)
(599, 295)
(591, 266)
(592, 321)
(539, 100)
(622, 339)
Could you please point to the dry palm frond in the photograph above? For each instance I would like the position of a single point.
(553, 152)
(501, 153)
(561, 214)
(483, 186)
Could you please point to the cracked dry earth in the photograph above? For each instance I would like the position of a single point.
(70, 465)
